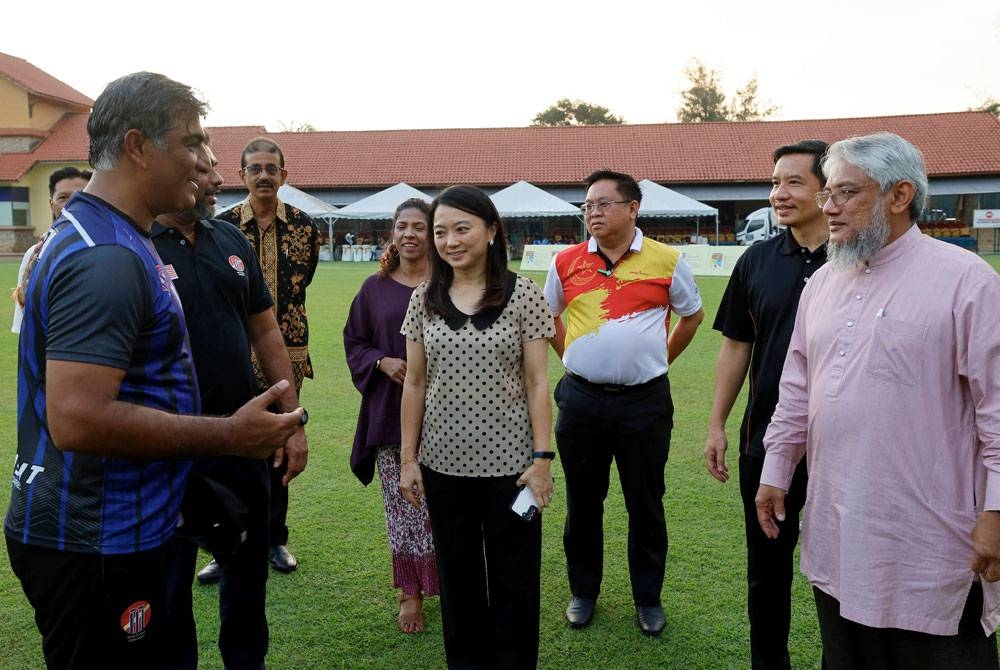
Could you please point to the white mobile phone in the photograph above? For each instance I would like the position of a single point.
(525, 504)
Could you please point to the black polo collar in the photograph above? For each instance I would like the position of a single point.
(158, 228)
(789, 245)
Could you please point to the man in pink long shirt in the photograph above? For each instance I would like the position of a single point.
(891, 387)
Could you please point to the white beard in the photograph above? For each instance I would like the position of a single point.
(850, 255)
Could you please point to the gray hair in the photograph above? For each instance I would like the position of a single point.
(145, 101)
(887, 158)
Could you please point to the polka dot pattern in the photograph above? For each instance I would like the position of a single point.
(476, 421)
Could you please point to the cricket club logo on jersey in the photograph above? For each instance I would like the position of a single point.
(135, 620)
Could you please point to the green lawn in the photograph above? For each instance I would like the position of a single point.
(339, 611)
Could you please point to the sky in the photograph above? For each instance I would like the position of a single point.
(376, 65)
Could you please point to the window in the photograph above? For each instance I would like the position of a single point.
(14, 207)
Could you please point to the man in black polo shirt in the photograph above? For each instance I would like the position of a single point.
(228, 308)
(756, 318)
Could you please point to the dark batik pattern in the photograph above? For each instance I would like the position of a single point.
(288, 251)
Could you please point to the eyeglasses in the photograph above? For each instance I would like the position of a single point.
(600, 205)
(839, 196)
(255, 169)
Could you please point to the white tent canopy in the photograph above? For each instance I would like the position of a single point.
(523, 199)
(310, 204)
(381, 205)
(659, 200)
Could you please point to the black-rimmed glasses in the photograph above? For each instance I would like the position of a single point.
(600, 205)
(255, 169)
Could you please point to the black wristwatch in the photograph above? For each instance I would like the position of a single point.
(550, 455)
(304, 419)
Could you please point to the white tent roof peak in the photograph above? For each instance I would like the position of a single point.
(381, 205)
(659, 200)
(301, 200)
(523, 199)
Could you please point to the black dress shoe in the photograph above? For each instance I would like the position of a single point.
(282, 560)
(580, 612)
(210, 573)
(651, 619)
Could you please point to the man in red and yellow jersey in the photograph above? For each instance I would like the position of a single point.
(617, 291)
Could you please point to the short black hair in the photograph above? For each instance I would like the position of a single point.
(626, 185)
(262, 144)
(815, 147)
(68, 172)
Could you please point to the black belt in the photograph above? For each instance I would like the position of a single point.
(615, 388)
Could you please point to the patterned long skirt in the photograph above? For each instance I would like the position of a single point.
(414, 563)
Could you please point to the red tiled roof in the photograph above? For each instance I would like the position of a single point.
(67, 143)
(954, 144)
(40, 83)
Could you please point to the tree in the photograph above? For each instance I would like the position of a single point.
(568, 112)
(745, 105)
(705, 101)
(295, 127)
(991, 105)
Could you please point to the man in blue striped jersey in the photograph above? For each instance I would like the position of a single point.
(107, 395)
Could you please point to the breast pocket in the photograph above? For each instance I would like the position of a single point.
(897, 351)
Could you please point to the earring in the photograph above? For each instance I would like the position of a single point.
(491, 243)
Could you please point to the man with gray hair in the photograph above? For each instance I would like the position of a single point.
(107, 395)
(891, 389)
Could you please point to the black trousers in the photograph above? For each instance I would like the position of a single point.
(243, 628)
(279, 503)
(850, 646)
(631, 427)
(489, 566)
(770, 567)
(96, 611)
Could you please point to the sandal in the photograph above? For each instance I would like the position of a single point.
(411, 617)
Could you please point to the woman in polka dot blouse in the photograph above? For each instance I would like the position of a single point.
(476, 424)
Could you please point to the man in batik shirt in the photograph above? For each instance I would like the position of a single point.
(287, 244)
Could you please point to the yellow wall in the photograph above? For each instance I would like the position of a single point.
(45, 114)
(14, 110)
(14, 107)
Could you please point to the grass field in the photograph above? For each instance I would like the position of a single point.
(338, 610)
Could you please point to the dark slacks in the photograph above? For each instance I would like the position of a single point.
(182, 651)
(850, 646)
(770, 567)
(489, 566)
(631, 427)
(243, 629)
(279, 503)
(95, 611)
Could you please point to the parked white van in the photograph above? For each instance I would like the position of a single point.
(759, 225)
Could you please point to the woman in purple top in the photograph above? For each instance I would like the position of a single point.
(376, 355)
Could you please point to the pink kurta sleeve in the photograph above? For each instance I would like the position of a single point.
(977, 320)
